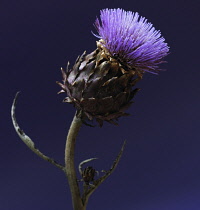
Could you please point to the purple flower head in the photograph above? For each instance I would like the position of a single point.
(131, 39)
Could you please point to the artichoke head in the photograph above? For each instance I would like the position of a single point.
(100, 86)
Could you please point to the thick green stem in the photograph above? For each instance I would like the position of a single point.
(69, 164)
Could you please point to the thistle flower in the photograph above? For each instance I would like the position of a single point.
(132, 39)
(100, 84)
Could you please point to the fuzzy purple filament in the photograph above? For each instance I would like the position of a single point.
(132, 39)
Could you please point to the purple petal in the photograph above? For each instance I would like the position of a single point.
(134, 40)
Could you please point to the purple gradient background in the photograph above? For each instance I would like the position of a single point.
(160, 168)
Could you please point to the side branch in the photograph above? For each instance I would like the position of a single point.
(87, 193)
(26, 139)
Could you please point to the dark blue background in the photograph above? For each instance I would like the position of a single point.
(160, 168)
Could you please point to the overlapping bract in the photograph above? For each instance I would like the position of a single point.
(132, 39)
(99, 86)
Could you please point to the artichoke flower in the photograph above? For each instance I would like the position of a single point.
(100, 84)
